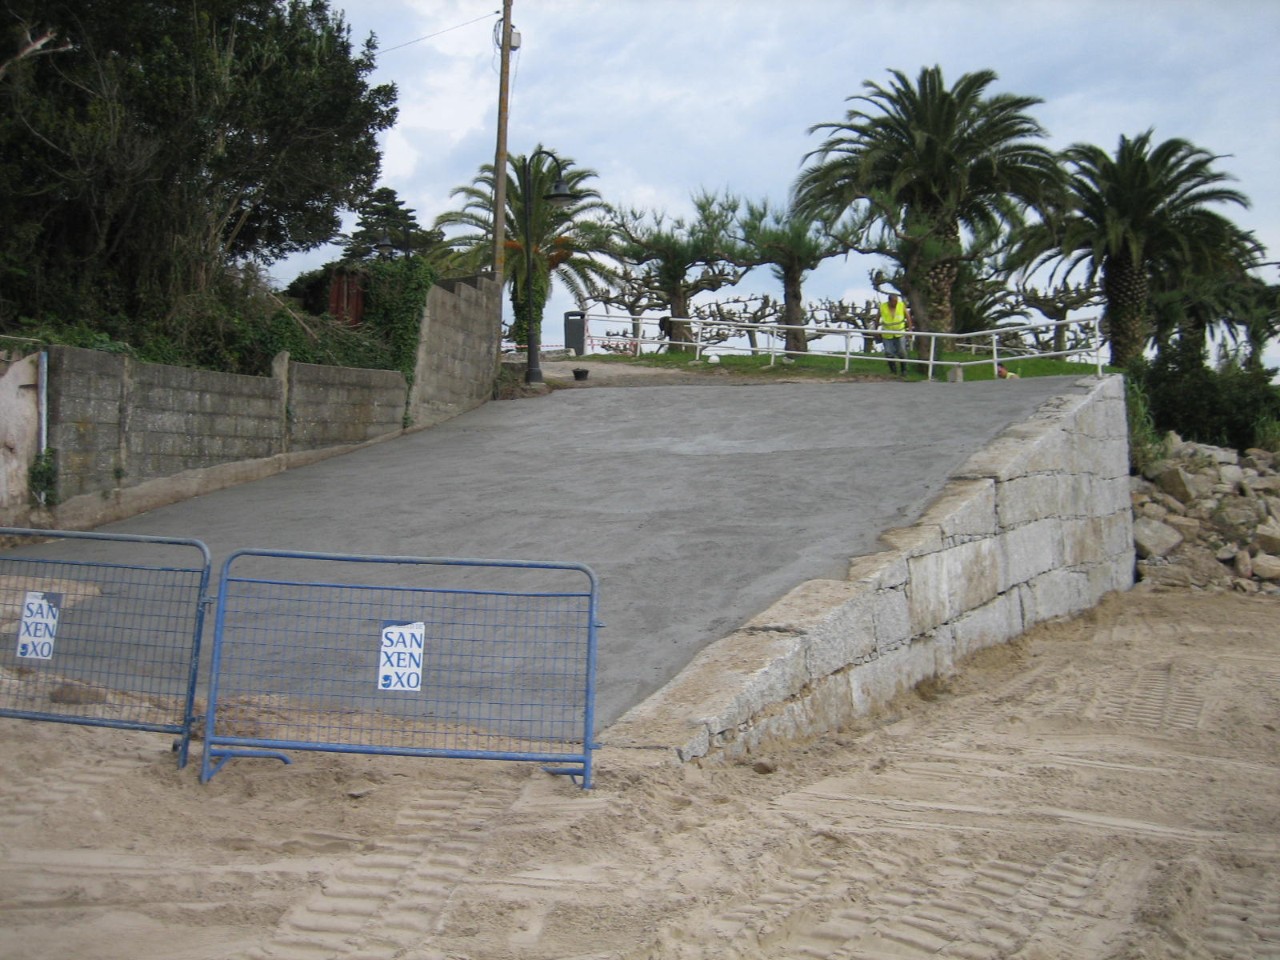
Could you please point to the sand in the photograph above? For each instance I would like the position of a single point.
(1103, 787)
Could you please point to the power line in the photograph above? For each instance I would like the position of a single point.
(439, 32)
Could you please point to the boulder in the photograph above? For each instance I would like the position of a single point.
(1269, 484)
(1243, 564)
(1267, 537)
(1153, 538)
(1236, 518)
(1231, 475)
(1266, 567)
(1189, 527)
(1183, 485)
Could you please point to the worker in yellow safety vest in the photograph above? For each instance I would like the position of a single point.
(895, 321)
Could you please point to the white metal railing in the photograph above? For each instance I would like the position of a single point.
(717, 337)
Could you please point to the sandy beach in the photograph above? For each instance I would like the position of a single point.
(1107, 786)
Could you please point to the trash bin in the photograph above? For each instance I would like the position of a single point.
(575, 332)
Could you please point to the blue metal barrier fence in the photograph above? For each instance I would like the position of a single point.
(102, 629)
(412, 656)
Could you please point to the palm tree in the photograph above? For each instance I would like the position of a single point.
(1141, 219)
(918, 164)
(1213, 293)
(792, 246)
(561, 242)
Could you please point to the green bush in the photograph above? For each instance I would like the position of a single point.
(241, 325)
(1227, 406)
(42, 479)
(1266, 434)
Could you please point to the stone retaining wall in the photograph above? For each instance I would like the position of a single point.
(1036, 526)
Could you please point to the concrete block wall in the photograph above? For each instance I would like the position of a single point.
(174, 419)
(130, 437)
(459, 343)
(1034, 527)
(332, 406)
(114, 422)
(85, 418)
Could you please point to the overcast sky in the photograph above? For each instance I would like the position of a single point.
(665, 97)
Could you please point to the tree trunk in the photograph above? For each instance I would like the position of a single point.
(1124, 285)
(941, 279)
(793, 314)
(679, 330)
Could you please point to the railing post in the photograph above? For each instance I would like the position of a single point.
(1097, 345)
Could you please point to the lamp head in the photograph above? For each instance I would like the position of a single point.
(560, 195)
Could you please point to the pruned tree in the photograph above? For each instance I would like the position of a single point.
(841, 313)
(745, 316)
(675, 259)
(791, 245)
(1057, 302)
(629, 290)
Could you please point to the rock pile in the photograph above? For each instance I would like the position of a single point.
(1208, 517)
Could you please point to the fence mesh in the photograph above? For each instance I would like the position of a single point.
(101, 630)
(403, 655)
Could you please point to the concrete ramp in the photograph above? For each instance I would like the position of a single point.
(708, 511)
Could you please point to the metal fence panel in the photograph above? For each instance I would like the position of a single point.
(102, 629)
(483, 659)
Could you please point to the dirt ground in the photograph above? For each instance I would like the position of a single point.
(1103, 787)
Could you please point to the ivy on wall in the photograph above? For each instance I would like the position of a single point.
(395, 296)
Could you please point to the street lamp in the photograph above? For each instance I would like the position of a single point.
(559, 197)
(386, 246)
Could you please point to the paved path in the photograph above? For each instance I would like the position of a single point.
(697, 506)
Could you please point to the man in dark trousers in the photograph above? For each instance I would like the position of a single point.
(895, 321)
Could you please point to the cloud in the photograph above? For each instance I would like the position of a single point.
(664, 97)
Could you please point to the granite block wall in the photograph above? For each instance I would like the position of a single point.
(1035, 526)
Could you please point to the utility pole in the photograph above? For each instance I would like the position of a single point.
(500, 155)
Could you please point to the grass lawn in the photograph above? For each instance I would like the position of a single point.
(859, 365)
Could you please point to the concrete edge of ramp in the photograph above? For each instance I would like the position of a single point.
(1034, 527)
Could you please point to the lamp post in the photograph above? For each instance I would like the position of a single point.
(559, 197)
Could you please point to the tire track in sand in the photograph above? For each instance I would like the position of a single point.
(375, 905)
